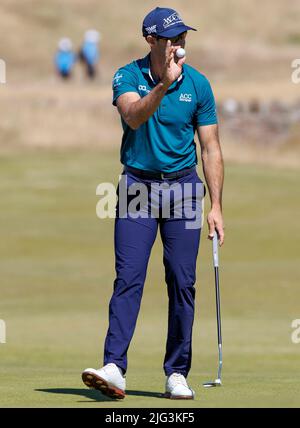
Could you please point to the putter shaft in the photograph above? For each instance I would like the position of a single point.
(217, 382)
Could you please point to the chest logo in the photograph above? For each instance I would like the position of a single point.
(185, 97)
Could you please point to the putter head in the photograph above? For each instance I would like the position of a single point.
(217, 382)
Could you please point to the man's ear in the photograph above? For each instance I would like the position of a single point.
(150, 40)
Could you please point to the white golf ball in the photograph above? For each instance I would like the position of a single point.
(180, 53)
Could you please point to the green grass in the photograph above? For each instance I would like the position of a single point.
(57, 270)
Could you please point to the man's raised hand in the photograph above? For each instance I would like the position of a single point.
(173, 67)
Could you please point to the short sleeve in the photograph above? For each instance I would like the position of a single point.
(124, 81)
(206, 110)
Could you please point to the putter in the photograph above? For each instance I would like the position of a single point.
(217, 382)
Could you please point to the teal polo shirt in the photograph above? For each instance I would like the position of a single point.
(165, 143)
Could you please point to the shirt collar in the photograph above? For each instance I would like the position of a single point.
(146, 70)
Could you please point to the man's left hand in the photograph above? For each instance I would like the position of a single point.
(215, 223)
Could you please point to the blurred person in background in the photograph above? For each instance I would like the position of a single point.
(65, 58)
(89, 53)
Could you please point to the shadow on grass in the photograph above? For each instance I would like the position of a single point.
(96, 395)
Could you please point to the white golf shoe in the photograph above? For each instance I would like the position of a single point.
(109, 380)
(177, 388)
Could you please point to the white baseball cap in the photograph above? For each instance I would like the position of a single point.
(92, 36)
(65, 44)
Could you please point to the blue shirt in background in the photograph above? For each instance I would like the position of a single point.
(90, 52)
(64, 61)
(165, 143)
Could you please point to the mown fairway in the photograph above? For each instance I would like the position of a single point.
(57, 270)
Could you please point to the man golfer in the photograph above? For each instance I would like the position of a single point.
(162, 102)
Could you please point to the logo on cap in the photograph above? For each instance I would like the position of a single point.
(151, 30)
(171, 20)
(164, 22)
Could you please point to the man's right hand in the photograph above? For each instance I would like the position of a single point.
(136, 110)
(172, 68)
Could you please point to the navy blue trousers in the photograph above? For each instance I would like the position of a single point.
(134, 238)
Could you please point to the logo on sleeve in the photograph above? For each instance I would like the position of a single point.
(143, 88)
(116, 80)
(186, 98)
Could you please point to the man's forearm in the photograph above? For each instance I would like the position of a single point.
(140, 111)
(213, 169)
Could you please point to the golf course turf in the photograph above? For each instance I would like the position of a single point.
(57, 272)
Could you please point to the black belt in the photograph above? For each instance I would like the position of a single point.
(158, 175)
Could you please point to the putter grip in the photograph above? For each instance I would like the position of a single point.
(215, 250)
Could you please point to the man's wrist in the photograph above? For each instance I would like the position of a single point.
(216, 206)
(164, 85)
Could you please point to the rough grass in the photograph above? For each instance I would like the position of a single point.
(57, 271)
(245, 54)
(233, 38)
